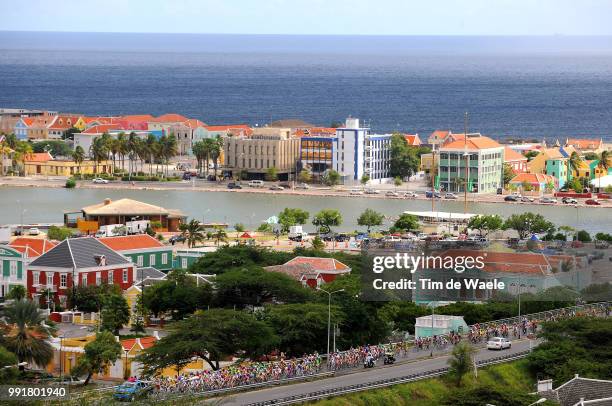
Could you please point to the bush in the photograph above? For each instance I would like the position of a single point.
(239, 227)
(603, 237)
(59, 233)
(583, 236)
(70, 183)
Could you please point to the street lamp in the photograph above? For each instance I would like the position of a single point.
(61, 362)
(433, 308)
(329, 294)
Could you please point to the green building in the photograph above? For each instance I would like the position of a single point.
(142, 250)
(557, 167)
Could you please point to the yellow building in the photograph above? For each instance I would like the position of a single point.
(538, 163)
(429, 161)
(65, 167)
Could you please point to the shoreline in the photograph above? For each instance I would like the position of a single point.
(315, 192)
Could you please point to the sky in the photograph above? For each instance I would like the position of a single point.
(318, 17)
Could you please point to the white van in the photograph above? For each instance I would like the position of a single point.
(256, 183)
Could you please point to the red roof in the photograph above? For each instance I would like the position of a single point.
(511, 155)
(131, 242)
(64, 122)
(35, 246)
(170, 118)
(101, 129)
(413, 139)
(236, 129)
(194, 123)
(138, 117)
(141, 342)
(584, 143)
(473, 143)
(38, 157)
(319, 264)
(534, 178)
(505, 262)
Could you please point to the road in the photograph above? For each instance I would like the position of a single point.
(365, 376)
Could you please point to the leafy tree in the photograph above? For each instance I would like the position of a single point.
(317, 243)
(302, 328)
(69, 133)
(213, 336)
(139, 316)
(487, 394)
(583, 236)
(272, 174)
(115, 313)
(7, 360)
(365, 179)
(370, 218)
(56, 148)
(59, 233)
(305, 176)
(291, 217)
(264, 228)
(575, 185)
(70, 183)
(331, 178)
(178, 295)
(327, 218)
(26, 337)
(255, 286)
(99, 354)
(531, 154)
(406, 222)
(17, 292)
(219, 235)
(404, 160)
(91, 298)
(402, 315)
(591, 156)
(603, 237)
(574, 162)
(508, 174)
(239, 227)
(192, 232)
(461, 361)
(397, 181)
(528, 223)
(486, 224)
(238, 257)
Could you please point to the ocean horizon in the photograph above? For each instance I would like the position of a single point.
(549, 87)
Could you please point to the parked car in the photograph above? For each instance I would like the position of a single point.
(592, 202)
(69, 380)
(411, 195)
(430, 195)
(100, 181)
(176, 238)
(234, 185)
(285, 185)
(187, 176)
(341, 237)
(276, 187)
(34, 231)
(569, 200)
(372, 192)
(392, 193)
(302, 186)
(327, 236)
(130, 391)
(498, 343)
(548, 200)
(527, 199)
(256, 183)
(451, 196)
(511, 198)
(355, 192)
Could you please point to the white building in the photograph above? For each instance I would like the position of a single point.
(357, 152)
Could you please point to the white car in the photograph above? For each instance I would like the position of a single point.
(372, 192)
(302, 186)
(100, 181)
(498, 343)
(392, 193)
(355, 192)
(34, 231)
(276, 187)
(451, 196)
(411, 195)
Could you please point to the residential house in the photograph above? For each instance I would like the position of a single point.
(485, 169)
(516, 161)
(538, 182)
(577, 391)
(64, 167)
(142, 250)
(15, 257)
(10, 117)
(437, 137)
(551, 161)
(80, 261)
(584, 146)
(60, 125)
(312, 271)
(413, 140)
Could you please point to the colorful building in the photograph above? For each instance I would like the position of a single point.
(63, 167)
(312, 271)
(538, 182)
(142, 249)
(80, 261)
(516, 161)
(15, 257)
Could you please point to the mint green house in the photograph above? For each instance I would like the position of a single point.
(12, 265)
(557, 167)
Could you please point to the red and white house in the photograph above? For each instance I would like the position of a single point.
(517, 161)
(312, 271)
(84, 260)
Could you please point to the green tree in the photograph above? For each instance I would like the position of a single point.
(365, 178)
(583, 236)
(239, 227)
(604, 164)
(331, 178)
(486, 224)
(291, 217)
(272, 174)
(508, 174)
(192, 232)
(17, 292)
(91, 298)
(406, 222)
(526, 224)
(139, 316)
(264, 228)
(370, 218)
(238, 257)
(397, 181)
(99, 355)
(327, 218)
(488, 394)
(219, 235)
(26, 337)
(59, 233)
(78, 156)
(404, 160)
(69, 133)
(318, 244)
(305, 176)
(213, 336)
(461, 361)
(115, 313)
(574, 162)
(531, 154)
(56, 148)
(8, 360)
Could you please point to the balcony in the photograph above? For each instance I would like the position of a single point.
(44, 288)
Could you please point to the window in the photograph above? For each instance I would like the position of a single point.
(111, 276)
(125, 276)
(184, 263)
(49, 279)
(84, 279)
(13, 269)
(63, 280)
(164, 258)
(98, 278)
(36, 277)
(140, 260)
(152, 260)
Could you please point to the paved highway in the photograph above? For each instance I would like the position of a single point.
(365, 376)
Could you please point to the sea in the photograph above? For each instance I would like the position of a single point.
(512, 87)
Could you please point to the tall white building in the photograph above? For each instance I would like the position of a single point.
(358, 152)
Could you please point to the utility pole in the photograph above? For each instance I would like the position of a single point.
(329, 294)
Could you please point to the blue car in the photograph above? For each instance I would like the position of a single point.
(130, 391)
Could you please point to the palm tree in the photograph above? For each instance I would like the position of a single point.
(198, 151)
(216, 149)
(27, 335)
(122, 149)
(98, 150)
(573, 164)
(604, 163)
(169, 148)
(22, 150)
(151, 146)
(115, 147)
(132, 147)
(78, 156)
(219, 235)
(5, 150)
(191, 232)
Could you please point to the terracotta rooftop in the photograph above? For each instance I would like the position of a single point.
(141, 342)
(170, 118)
(473, 143)
(131, 242)
(100, 129)
(35, 246)
(533, 178)
(123, 207)
(582, 143)
(506, 262)
(319, 264)
(511, 155)
(413, 139)
(38, 157)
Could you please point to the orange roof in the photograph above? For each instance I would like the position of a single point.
(170, 118)
(534, 178)
(101, 120)
(35, 246)
(100, 129)
(240, 129)
(506, 262)
(142, 342)
(584, 143)
(440, 134)
(511, 155)
(138, 117)
(319, 264)
(475, 143)
(28, 120)
(64, 122)
(131, 242)
(38, 157)
(194, 123)
(413, 139)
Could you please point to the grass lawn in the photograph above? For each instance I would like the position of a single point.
(429, 392)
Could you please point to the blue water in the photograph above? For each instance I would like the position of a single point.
(526, 87)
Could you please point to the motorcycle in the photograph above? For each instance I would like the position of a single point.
(369, 363)
(389, 359)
